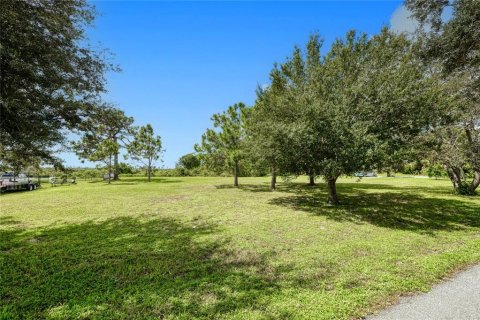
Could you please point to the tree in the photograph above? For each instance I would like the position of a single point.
(97, 146)
(104, 123)
(278, 121)
(452, 48)
(343, 112)
(317, 98)
(401, 97)
(50, 76)
(189, 161)
(226, 146)
(119, 128)
(126, 168)
(146, 148)
(382, 98)
(267, 133)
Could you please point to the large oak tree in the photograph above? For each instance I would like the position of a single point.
(50, 76)
(343, 112)
(452, 48)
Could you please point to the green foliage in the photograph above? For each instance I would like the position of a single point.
(51, 77)
(428, 12)
(436, 171)
(451, 51)
(146, 148)
(101, 135)
(225, 147)
(166, 173)
(88, 173)
(345, 112)
(412, 167)
(464, 188)
(189, 161)
(126, 168)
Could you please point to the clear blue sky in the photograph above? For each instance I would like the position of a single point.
(183, 61)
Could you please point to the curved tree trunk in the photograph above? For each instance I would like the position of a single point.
(332, 191)
(235, 174)
(455, 176)
(475, 182)
(273, 182)
(471, 132)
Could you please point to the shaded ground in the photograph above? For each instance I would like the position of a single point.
(151, 267)
(395, 207)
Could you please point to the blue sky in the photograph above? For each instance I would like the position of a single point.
(183, 61)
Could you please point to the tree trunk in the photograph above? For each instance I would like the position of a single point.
(455, 176)
(109, 168)
(311, 178)
(116, 169)
(389, 173)
(274, 179)
(149, 171)
(235, 174)
(475, 182)
(332, 191)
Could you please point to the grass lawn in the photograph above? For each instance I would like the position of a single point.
(184, 248)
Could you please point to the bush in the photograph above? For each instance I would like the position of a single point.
(436, 171)
(414, 168)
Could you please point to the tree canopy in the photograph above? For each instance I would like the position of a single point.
(50, 76)
(146, 148)
(226, 146)
(452, 49)
(101, 136)
(345, 111)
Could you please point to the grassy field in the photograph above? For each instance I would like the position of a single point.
(184, 248)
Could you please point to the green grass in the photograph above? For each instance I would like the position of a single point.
(185, 248)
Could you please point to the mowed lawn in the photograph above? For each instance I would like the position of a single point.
(186, 248)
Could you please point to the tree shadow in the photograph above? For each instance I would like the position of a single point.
(396, 207)
(298, 187)
(127, 268)
(8, 221)
(293, 187)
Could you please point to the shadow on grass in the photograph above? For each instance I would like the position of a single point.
(391, 210)
(384, 205)
(126, 268)
(8, 221)
(296, 187)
